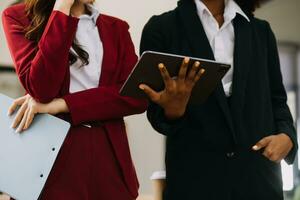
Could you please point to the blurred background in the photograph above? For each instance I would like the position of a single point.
(147, 146)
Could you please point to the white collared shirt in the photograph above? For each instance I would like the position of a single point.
(221, 39)
(87, 35)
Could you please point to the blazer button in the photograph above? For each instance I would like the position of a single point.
(230, 154)
(87, 125)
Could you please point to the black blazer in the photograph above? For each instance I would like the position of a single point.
(208, 151)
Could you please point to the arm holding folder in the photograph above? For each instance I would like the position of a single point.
(27, 159)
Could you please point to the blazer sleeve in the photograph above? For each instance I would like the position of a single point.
(105, 102)
(282, 116)
(153, 39)
(41, 67)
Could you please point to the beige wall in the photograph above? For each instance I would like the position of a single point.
(146, 145)
(284, 16)
(4, 53)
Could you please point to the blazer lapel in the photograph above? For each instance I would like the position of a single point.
(201, 48)
(194, 30)
(109, 52)
(242, 58)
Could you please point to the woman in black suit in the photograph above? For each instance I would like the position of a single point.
(230, 147)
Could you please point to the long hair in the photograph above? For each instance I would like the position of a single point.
(39, 12)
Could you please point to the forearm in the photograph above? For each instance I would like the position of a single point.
(162, 124)
(57, 106)
(101, 104)
(41, 69)
(48, 69)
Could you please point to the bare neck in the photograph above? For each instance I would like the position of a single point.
(78, 9)
(216, 7)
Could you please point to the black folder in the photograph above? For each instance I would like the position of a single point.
(146, 71)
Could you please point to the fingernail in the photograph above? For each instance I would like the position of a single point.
(255, 147)
(18, 131)
(186, 59)
(202, 71)
(8, 113)
(160, 65)
(197, 64)
(141, 87)
(11, 126)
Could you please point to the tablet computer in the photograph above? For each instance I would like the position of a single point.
(146, 71)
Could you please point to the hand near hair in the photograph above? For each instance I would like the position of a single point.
(30, 107)
(66, 6)
(63, 6)
(174, 98)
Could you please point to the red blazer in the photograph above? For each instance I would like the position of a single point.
(43, 70)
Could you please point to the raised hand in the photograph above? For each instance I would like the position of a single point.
(174, 98)
(63, 6)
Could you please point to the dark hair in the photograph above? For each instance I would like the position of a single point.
(39, 11)
(248, 6)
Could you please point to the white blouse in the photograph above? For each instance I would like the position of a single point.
(87, 35)
(221, 39)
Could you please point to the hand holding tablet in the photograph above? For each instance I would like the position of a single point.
(173, 80)
(176, 94)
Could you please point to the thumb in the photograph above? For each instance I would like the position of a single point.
(153, 95)
(261, 144)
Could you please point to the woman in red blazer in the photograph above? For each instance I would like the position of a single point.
(94, 161)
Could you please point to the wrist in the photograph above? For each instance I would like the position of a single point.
(57, 106)
(62, 106)
(173, 114)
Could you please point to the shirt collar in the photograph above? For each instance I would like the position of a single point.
(94, 13)
(231, 9)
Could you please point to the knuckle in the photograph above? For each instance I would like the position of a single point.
(169, 82)
(188, 89)
(171, 91)
(269, 154)
(190, 79)
(181, 76)
(33, 107)
(155, 98)
(197, 78)
(181, 91)
(274, 158)
(31, 112)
